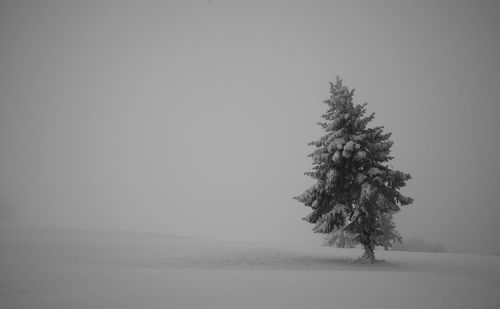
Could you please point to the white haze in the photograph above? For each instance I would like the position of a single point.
(192, 118)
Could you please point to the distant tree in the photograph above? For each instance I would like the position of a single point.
(356, 192)
(418, 245)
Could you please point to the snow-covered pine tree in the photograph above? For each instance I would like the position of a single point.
(388, 234)
(356, 191)
(386, 237)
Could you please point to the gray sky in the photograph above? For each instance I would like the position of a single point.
(193, 117)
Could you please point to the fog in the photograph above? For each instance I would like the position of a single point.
(193, 118)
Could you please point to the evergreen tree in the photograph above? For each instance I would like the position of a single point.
(356, 191)
(388, 234)
(340, 238)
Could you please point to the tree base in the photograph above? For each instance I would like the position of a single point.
(364, 260)
(369, 254)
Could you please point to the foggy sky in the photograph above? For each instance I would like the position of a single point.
(193, 118)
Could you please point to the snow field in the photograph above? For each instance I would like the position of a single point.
(55, 269)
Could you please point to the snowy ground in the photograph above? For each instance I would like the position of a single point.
(55, 269)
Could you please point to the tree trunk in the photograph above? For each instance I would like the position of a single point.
(369, 253)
